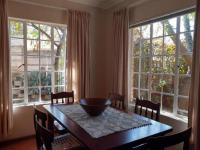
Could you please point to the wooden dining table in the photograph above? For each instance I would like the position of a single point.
(119, 140)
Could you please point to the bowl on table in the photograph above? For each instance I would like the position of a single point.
(94, 106)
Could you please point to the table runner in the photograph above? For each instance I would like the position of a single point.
(110, 121)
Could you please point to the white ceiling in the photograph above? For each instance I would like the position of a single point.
(105, 4)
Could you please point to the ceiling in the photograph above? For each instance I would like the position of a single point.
(105, 4)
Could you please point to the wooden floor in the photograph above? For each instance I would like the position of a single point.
(24, 144)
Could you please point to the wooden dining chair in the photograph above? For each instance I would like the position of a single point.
(62, 98)
(117, 101)
(49, 142)
(160, 143)
(145, 106)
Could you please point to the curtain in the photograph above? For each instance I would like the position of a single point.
(120, 41)
(78, 54)
(5, 80)
(194, 103)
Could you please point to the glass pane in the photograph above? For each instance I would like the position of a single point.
(32, 47)
(45, 78)
(46, 93)
(157, 46)
(157, 83)
(59, 78)
(144, 94)
(45, 33)
(33, 78)
(185, 63)
(17, 46)
(168, 84)
(59, 63)
(16, 29)
(183, 103)
(135, 93)
(167, 103)
(46, 46)
(169, 64)
(146, 47)
(157, 29)
(155, 97)
(32, 63)
(170, 26)
(17, 63)
(17, 79)
(18, 94)
(146, 32)
(135, 80)
(33, 94)
(186, 42)
(136, 64)
(169, 45)
(184, 85)
(145, 64)
(59, 33)
(187, 22)
(59, 49)
(45, 64)
(144, 81)
(59, 89)
(136, 41)
(32, 31)
(157, 65)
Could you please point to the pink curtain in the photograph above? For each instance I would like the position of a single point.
(194, 104)
(5, 92)
(120, 38)
(78, 54)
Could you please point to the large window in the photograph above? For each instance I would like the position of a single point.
(161, 62)
(38, 54)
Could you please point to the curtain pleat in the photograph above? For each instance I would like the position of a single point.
(78, 54)
(5, 77)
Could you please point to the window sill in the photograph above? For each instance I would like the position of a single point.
(30, 104)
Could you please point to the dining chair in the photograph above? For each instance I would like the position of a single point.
(62, 98)
(49, 142)
(162, 142)
(117, 101)
(144, 106)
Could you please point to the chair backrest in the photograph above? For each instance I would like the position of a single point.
(159, 143)
(66, 97)
(39, 116)
(45, 136)
(145, 106)
(117, 101)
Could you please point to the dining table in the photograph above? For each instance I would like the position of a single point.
(123, 139)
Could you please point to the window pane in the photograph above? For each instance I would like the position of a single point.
(135, 93)
(144, 81)
(167, 103)
(184, 85)
(59, 78)
(17, 79)
(18, 94)
(59, 32)
(59, 49)
(146, 47)
(45, 61)
(169, 64)
(157, 46)
(46, 46)
(33, 94)
(136, 64)
(16, 29)
(33, 78)
(187, 22)
(170, 26)
(32, 47)
(168, 84)
(45, 32)
(136, 41)
(185, 63)
(17, 46)
(33, 63)
(144, 94)
(32, 31)
(183, 106)
(59, 89)
(169, 45)
(17, 63)
(45, 78)
(145, 64)
(135, 80)
(155, 97)
(157, 29)
(146, 31)
(59, 63)
(186, 42)
(157, 65)
(157, 83)
(46, 93)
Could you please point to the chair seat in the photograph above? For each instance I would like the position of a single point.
(66, 142)
(60, 129)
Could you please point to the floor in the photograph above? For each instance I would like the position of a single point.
(24, 144)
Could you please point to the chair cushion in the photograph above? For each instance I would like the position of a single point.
(65, 142)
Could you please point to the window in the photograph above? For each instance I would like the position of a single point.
(38, 54)
(161, 62)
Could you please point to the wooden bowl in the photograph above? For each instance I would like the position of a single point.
(94, 106)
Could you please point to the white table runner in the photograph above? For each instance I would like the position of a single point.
(110, 121)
